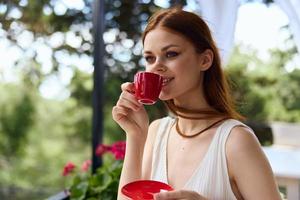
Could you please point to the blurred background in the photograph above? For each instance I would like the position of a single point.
(46, 80)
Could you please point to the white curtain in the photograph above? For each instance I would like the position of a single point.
(292, 10)
(220, 16)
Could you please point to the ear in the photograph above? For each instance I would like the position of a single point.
(205, 59)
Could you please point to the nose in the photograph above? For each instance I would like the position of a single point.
(158, 66)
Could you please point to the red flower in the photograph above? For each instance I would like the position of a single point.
(68, 168)
(101, 149)
(86, 165)
(118, 149)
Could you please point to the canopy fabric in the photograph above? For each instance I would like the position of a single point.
(221, 19)
(221, 16)
(292, 10)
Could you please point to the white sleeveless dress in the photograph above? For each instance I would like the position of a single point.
(210, 179)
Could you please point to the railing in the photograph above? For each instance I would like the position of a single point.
(284, 157)
(285, 162)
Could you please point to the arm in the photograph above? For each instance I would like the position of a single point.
(132, 166)
(138, 157)
(133, 119)
(249, 167)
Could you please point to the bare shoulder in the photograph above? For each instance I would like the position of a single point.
(248, 166)
(242, 139)
(243, 146)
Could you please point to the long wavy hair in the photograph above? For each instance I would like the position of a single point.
(193, 28)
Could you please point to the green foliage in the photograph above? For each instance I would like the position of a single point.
(17, 116)
(290, 95)
(101, 185)
(35, 164)
(264, 90)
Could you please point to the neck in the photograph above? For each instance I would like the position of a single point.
(194, 101)
(195, 134)
(192, 112)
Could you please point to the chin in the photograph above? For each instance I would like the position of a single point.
(163, 97)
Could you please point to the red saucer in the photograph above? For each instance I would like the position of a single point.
(144, 189)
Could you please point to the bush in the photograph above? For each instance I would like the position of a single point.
(101, 185)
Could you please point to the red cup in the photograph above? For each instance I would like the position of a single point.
(147, 87)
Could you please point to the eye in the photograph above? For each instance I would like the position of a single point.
(171, 54)
(150, 59)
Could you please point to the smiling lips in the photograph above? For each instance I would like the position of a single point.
(166, 80)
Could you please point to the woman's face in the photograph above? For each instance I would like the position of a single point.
(172, 56)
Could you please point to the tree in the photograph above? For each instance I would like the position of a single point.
(260, 86)
(17, 116)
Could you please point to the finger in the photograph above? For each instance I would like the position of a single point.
(118, 112)
(128, 100)
(120, 115)
(177, 194)
(129, 87)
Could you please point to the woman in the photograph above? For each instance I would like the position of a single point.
(203, 152)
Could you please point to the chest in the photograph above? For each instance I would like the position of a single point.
(185, 156)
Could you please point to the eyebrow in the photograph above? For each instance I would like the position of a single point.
(165, 48)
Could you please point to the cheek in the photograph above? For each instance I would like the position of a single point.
(188, 69)
(190, 75)
(189, 62)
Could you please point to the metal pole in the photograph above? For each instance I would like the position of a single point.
(98, 96)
